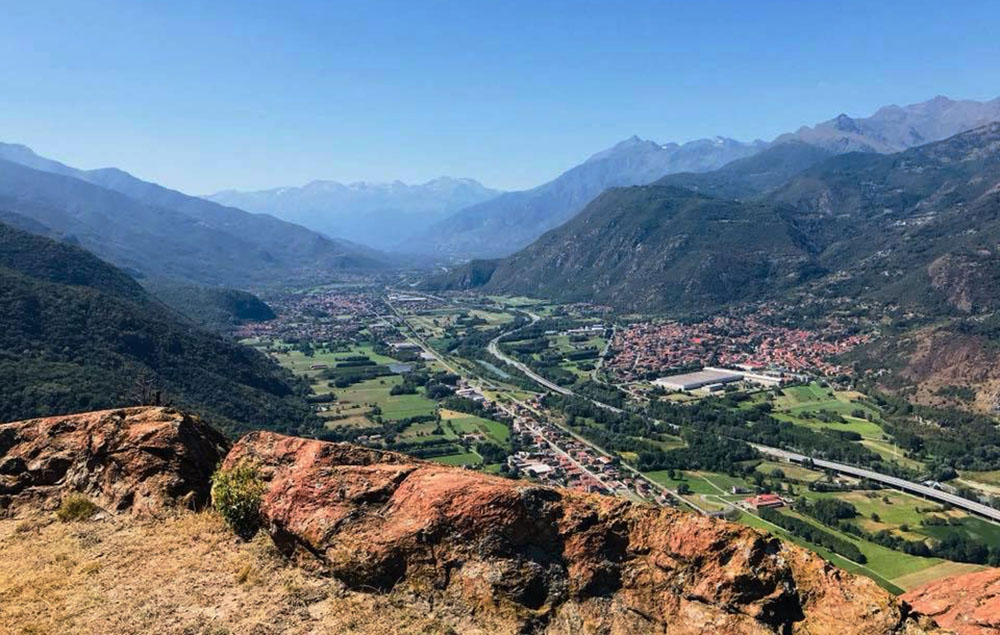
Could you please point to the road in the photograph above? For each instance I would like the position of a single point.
(892, 481)
(419, 341)
(898, 483)
(494, 349)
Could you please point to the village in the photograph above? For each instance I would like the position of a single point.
(319, 317)
(747, 342)
(551, 455)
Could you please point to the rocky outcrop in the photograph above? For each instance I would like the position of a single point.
(138, 459)
(967, 604)
(525, 558)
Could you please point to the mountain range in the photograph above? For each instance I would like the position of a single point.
(150, 230)
(377, 214)
(896, 128)
(501, 226)
(918, 227)
(512, 220)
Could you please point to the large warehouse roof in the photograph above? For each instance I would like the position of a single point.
(704, 377)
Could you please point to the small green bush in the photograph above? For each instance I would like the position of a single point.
(236, 495)
(76, 507)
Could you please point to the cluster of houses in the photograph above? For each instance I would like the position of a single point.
(318, 317)
(733, 341)
(553, 456)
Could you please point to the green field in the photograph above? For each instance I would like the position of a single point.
(699, 482)
(791, 470)
(468, 458)
(362, 397)
(470, 424)
(802, 405)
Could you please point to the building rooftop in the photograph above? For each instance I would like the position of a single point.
(700, 378)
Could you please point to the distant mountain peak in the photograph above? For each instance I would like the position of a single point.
(373, 213)
(896, 128)
(845, 123)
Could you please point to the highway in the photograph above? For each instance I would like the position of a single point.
(892, 481)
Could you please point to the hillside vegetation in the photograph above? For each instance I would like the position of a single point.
(77, 334)
(218, 309)
(919, 228)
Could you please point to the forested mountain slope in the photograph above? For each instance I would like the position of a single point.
(218, 309)
(655, 247)
(919, 227)
(78, 334)
(512, 220)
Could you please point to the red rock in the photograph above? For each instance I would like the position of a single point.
(967, 604)
(524, 558)
(139, 459)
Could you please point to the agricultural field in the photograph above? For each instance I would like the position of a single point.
(440, 325)
(375, 393)
(899, 513)
(460, 433)
(355, 402)
(793, 473)
(818, 407)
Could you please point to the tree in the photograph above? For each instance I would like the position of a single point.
(144, 391)
(683, 489)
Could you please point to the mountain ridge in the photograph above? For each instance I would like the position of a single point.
(930, 209)
(152, 230)
(513, 219)
(77, 333)
(377, 214)
(510, 222)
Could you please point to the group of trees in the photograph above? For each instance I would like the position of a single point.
(953, 545)
(829, 511)
(702, 452)
(718, 417)
(813, 534)
(954, 438)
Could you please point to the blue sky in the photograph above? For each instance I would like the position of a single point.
(204, 96)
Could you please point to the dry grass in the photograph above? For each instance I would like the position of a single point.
(937, 572)
(186, 575)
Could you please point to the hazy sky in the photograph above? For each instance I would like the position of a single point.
(209, 95)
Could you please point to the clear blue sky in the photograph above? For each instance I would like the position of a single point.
(208, 95)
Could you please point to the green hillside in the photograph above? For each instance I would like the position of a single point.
(77, 334)
(216, 308)
(919, 228)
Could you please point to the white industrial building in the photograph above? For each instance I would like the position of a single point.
(699, 379)
(712, 379)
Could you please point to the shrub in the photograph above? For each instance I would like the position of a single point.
(236, 495)
(76, 507)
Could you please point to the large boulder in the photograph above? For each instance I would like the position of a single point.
(144, 460)
(967, 604)
(525, 558)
